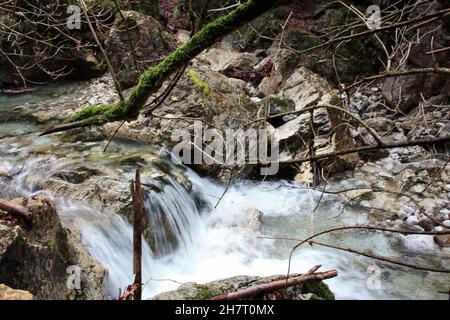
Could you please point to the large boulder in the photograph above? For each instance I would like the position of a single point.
(50, 52)
(39, 258)
(406, 92)
(135, 44)
(316, 132)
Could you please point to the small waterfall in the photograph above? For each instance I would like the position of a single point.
(109, 240)
(173, 217)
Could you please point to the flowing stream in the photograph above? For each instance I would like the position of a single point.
(214, 239)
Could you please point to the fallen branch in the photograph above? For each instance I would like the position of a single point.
(366, 228)
(392, 74)
(65, 127)
(365, 254)
(16, 211)
(277, 285)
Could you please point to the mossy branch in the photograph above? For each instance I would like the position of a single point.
(152, 79)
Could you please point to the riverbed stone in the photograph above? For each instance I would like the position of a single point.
(426, 223)
(446, 223)
(7, 293)
(419, 243)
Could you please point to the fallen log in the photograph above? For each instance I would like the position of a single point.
(16, 211)
(277, 285)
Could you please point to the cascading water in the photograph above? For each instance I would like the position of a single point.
(197, 238)
(173, 216)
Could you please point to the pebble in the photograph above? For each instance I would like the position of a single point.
(412, 220)
(446, 223)
(426, 223)
(419, 243)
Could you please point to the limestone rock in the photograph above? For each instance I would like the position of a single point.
(37, 259)
(306, 88)
(150, 41)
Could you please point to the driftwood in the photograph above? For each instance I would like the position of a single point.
(16, 211)
(310, 276)
(138, 212)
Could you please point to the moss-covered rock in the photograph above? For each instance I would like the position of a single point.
(192, 291)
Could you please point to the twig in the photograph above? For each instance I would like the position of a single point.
(365, 254)
(113, 135)
(16, 211)
(230, 178)
(105, 56)
(359, 227)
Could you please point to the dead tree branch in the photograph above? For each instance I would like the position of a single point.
(16, 211)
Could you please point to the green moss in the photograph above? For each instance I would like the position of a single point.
(200, 85)
(89, 112)
(320, 289)
(204, 293)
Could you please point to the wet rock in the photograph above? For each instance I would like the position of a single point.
(67, 99)
(194, 291)
(99, 186)
(306, 88)
(109, 191)
(37, 259)
(7, 293)
(412, 220)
